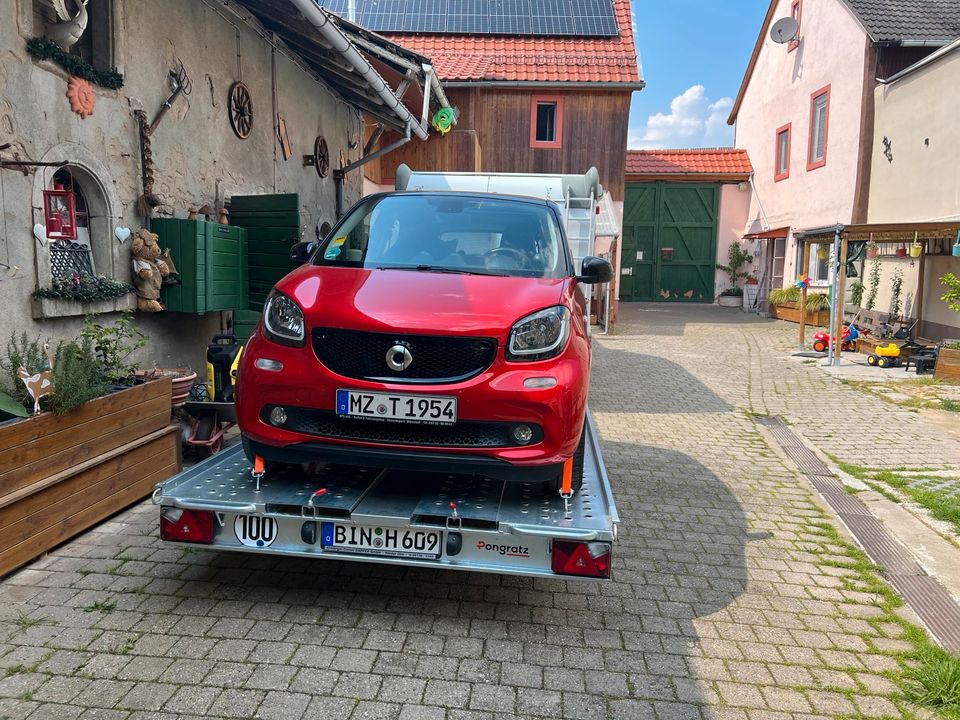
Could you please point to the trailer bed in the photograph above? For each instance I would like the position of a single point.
(398, 517)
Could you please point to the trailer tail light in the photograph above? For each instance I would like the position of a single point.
(586, 559)
(192, 526)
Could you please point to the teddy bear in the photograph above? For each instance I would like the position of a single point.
(148, 270)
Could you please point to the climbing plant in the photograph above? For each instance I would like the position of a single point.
(874, 283)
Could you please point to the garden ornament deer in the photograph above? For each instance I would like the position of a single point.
(38, 384)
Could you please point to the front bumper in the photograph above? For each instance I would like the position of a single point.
(497, 395)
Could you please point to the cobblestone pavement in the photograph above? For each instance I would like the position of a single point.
(733, 598)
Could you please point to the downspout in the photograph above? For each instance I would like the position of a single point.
(332, 34)
(340, 175)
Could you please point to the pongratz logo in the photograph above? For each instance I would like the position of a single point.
(508, 550)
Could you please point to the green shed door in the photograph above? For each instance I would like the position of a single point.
(669, 242)
(272, 223)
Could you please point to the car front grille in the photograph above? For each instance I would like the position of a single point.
(436, 359)
(324, 423)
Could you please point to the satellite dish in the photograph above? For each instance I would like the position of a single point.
(784, 30)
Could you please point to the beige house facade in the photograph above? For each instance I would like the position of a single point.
(916, 176)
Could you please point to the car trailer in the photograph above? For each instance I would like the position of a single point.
(400, 517)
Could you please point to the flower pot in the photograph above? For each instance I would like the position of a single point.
(872, 252)
(915, 250)
(730, 301)
(956, 249)
(182, 380)
(901, 251)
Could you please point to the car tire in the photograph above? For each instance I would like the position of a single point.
(577, 480)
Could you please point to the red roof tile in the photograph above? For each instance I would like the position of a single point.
(688, 162)
(488, 58)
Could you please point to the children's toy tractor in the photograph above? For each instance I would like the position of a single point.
(821, 341)
(885, 356)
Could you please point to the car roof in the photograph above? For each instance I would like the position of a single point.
(466, 194)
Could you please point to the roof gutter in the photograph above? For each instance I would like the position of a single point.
(931, 58)
(320, 20)
(640, 85)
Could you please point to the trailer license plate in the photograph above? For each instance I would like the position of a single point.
(388, 406)
(385, 541)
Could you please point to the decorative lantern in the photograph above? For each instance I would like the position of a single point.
(59, 214)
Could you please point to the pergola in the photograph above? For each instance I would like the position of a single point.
(840, 236)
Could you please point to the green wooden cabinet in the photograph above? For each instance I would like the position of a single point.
(212, 262)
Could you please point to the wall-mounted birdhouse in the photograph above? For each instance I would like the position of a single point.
(59, 213)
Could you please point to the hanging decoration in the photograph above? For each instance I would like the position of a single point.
(320, 158)
(122, 234)
(59, 213)
(43, 48)
(241, 110)
(443, 120)
(955, 251)
(82, 99)
(67, 33)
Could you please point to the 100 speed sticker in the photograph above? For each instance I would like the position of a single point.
(255, 530)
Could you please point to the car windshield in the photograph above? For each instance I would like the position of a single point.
(449, 233)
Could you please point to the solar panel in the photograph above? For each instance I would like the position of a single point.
(588, 18)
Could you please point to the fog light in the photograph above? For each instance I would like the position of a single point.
(540, 383)
(268, 364)
(278, 416)
(523, 434)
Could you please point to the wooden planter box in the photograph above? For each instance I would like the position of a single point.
(948, 364)
(60, 474)
(791, 313)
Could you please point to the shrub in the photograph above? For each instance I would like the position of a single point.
(22, 351)
(781, 296)
(816, 302)
(77, 376)
(737, 257)
(856, 292)
(114, 344)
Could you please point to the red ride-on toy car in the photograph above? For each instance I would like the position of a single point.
(821, 341)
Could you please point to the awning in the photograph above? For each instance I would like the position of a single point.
(386, 81)
(881, 232)
(772, 234)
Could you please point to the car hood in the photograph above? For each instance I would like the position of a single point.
(417, 301)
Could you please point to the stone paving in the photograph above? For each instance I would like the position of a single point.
(733, 597)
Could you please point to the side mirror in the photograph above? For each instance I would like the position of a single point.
(301, 252)
(595, 270)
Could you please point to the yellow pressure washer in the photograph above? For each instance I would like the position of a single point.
(223, 357)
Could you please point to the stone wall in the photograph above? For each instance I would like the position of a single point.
(198, 158)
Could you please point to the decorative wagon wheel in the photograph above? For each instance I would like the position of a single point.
(241, 110)
(321, 157)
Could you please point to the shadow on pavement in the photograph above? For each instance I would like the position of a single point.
(666, 386)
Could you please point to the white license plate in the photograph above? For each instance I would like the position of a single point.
(436, 409)
(385, 541)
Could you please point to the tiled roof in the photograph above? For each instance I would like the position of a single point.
(689, 162)
(488, 58)
(935, 21)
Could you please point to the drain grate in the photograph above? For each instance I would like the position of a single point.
(934, 606)
(886, 552)
(928, 598)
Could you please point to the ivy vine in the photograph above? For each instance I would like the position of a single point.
(43, 48)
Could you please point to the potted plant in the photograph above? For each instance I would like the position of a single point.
(94, 448)
(785, 304)
(856, 292)
(737, 258)
(872, 250)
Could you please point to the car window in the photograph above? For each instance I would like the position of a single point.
(449, 232)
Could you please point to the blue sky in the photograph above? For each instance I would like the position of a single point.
(693, 54)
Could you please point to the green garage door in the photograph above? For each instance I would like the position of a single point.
(669, 242)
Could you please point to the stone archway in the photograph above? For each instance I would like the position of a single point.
(102, 203)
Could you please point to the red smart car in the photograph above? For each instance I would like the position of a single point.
(436, 331)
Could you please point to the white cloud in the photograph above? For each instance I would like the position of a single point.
(694, 121)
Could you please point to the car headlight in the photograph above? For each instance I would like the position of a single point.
(539, 336)
(283, 320)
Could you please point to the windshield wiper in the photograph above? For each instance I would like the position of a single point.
(442, 269)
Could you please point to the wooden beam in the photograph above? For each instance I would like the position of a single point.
(804, 267)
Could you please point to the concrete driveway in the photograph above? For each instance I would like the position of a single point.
(735, 596)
